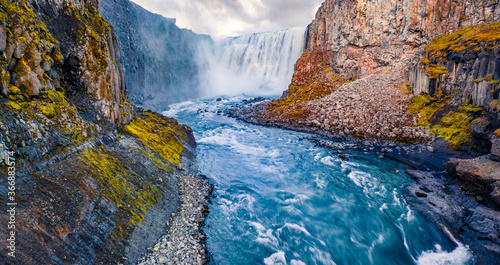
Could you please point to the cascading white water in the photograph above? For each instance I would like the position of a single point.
(256, 64)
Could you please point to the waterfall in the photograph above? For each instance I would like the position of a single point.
(255, 64)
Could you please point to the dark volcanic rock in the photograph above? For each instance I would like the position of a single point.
(162, 61)
(482, 173)
(95, 180)
(442, 201)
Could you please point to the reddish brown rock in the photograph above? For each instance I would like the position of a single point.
(365, 36)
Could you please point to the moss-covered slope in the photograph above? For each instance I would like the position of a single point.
(89, 170)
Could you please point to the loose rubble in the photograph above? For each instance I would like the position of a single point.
(375, 107)
(185, 242)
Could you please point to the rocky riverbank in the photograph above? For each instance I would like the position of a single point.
(185, 241)
(460, 209)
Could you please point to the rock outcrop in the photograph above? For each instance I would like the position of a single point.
(368, 36)
(444, 201)
(163, 63)
(95, 180)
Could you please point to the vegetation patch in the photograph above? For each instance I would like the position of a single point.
(454, 127)
(469, 107)
(424, 107)
(435, 71)
(464, 39)
(127, 192)
(472, 39)
(160, 134)
(497, 133)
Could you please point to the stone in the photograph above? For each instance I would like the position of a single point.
(480, 170)
(162, 259)
(495, 147)
(29, 83)
(495, 194)
(3, 39)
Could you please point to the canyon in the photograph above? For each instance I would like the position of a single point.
(100, 179)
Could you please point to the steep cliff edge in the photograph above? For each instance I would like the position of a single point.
(95, 180)
(162, 62)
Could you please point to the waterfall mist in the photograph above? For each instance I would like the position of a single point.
(259, 64)
(165, 64)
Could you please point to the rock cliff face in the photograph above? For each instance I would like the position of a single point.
(367, 36)
(95, 179)
(162, 63)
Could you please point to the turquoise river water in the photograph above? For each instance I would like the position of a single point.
(283, 200)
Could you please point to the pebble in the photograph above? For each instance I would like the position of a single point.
(184, 242)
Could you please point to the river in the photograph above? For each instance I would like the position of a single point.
(281, 199)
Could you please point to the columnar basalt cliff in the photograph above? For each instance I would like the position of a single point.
(162, 62)
(96, 180)
(368, 36)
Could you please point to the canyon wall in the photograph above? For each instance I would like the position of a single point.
(367, 36)
(95, 180)
(163, 63)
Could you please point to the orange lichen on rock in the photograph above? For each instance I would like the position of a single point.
(313, 79)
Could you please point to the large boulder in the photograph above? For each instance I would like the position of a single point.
(481, 172)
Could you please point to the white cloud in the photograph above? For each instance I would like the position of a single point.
(223, 18)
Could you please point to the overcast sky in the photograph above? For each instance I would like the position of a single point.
(224, 18)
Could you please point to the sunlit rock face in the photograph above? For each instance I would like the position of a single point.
(369, 36)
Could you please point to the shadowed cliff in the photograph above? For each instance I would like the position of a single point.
(96, 180)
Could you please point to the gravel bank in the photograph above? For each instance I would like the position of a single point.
(185, 242)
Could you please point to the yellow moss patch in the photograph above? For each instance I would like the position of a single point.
(160, 134)
(470, 108)
(425, 60)
(465, 38)
(497, 133)
(425, 107)
(436, 71)
(14, 90)
(488, 78)
(13, 105)
(454, 128)
(119, 186)
(157, 163)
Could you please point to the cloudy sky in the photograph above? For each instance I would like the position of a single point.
(224, 18)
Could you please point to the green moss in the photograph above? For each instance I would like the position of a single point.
(470, 108)
(436, 71)
(425, 107)
(132, 197)
(497, 133)
(160, 134)
(454, 128)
